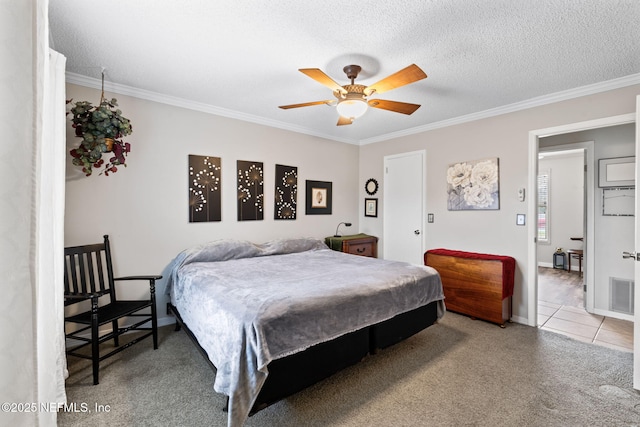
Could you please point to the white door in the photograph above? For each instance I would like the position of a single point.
(404, 207)
(636, 307)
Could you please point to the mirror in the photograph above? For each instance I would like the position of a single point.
(371, 187)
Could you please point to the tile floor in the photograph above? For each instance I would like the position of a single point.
(575, 322)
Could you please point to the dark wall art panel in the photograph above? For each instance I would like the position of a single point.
(286, 193)
(204, 189)
(250, 191)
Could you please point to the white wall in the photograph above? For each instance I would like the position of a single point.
(566, 205)
(505, 137)
(144, 207)
(613, 234)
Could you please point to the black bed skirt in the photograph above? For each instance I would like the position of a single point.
(293, 373)
(402, 326)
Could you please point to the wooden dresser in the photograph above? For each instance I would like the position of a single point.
(478, 285)
(356, 244)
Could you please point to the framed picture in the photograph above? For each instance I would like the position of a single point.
(205, 200)
(250, 191)
(618, 201)
(617, 172)
(473, 185)
(371, 207)
(318, 200)
(286, 192)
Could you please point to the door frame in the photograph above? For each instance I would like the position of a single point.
(636, 275)
(385, 224)
(532, 252)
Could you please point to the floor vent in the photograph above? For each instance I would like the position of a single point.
(621, 292)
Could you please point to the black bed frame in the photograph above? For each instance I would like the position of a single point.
(293, 373)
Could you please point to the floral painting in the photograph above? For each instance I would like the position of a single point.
(250, 191)
(473, 185)
(286, 194)
(204, 189)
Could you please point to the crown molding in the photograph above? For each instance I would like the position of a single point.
(175, 101)
(565, 95)
(592, 89)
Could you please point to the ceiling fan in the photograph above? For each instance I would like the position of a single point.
(352, 99)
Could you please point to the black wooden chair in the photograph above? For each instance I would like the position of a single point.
(88, 275)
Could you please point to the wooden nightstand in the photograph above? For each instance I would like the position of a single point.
(356, 244)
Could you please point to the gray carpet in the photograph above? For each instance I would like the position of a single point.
(459, 372)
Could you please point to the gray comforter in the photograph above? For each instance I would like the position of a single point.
(248, 304)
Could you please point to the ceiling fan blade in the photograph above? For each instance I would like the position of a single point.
(344, 121)
(319, 76)
(395, 106)
(407, 75)
(307, 104)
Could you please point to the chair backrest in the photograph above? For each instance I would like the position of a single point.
(88, 270)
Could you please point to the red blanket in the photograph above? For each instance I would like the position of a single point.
(508, 265)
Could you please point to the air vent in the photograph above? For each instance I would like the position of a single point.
(621, 295)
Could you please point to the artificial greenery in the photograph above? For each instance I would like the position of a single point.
(97, 125)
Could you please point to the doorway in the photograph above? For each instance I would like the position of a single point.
(561, 306)
(532, 259)
(563, 207)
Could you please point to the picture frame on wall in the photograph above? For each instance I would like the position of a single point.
(205, 200)
(473, 185)
(371, 208)
(318, 197)
(250, 190)
(286, 193)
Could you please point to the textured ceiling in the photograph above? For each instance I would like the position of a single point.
(240, 58)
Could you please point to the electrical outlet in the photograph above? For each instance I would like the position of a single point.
(430, 217)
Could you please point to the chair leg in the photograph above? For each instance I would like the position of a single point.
(116, 340)
(95, 345)
(154, 314)
(154, 323)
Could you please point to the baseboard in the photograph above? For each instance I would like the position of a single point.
(520, 320)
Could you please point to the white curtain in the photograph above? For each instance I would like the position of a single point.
(32, 161)
(50, 187)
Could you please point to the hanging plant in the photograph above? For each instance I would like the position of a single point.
(101, 128)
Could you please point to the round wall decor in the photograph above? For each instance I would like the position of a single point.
(371, 187)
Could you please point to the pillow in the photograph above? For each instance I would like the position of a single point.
(292, 245)
(221, 250)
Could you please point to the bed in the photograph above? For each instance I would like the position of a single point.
(276, 317)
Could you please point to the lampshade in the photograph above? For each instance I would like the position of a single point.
(352, 108)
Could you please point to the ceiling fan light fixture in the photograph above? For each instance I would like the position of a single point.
(352, 100)
(352, 108)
